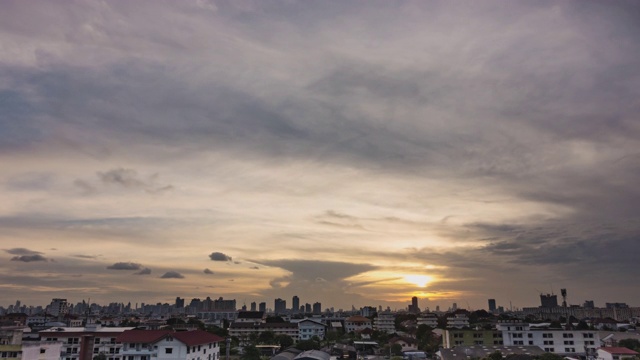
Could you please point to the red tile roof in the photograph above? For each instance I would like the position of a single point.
(619, 350)
(142, 336)
(196, 337)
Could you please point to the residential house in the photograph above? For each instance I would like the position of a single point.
(357, 323)
(616, 353)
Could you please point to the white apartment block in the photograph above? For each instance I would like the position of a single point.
(169, 345)
(243, 331)
(458, 321)
(385, 322)
(13, 347)
(357, 323)
(77, 340)
(309, 328)
(565, 342)
(429, 319)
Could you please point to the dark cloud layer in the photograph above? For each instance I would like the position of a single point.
(172, 275)
(125, 266)
(29, 258)
(218, 256)
(145, 271)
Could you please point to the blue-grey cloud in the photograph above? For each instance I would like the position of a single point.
(145, 271)
(172, 275)
(207, 271)
(125, 266)
(29, 258)
(218, 256)
(22, 251)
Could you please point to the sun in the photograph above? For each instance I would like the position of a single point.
(419, 280)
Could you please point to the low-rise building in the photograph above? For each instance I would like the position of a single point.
(559, 341)
(92, 339)
(12, 346)
(308, 328)
(429, 319)
(385, 322)
(243, 331)
(458, 321)
(357, 323)
(456, 337)
(169, 345)
(616, 353)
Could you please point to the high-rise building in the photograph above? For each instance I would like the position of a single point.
(280, 306)
(179, 303)
(253, 306)
(492, 305)
(317, 308)
(307, 308)
(58, 307)
(262, 307)
(548, 300)
(413, 308)
(224, 305)
(295, 304)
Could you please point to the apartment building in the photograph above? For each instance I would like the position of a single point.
(92, 339)
(169, 345)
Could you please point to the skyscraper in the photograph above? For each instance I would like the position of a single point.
(492, 305)
(295, 304)
(317, 308)
(413, 308)
(262, 307)
(280, 306)
(253, 306)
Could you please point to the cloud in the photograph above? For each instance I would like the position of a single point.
(21, 251)
(125, 266)
(145, 271)
(172, 275)
(218, 256)
(207, 271)
(255, 268)
(29, 258)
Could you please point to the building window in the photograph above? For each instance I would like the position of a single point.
(42, 351)
(168, 350)
(548, 349)
(568, 342)
(548, 342)
(566, 335)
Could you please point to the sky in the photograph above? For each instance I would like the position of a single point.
(356, 153)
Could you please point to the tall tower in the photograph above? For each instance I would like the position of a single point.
(295, 304)
(563, 292)
(280, 306)
(492, 305)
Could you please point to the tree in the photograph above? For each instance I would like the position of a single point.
(396, 349)
(305, 345)
(549, 356)
(582, 325)
(496, 355)
(633, 344)
(267, 337)
(284, 341)
(251, 353)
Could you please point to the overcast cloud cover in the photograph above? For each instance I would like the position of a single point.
(330, 148)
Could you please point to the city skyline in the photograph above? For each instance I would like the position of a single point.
(347, 152)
